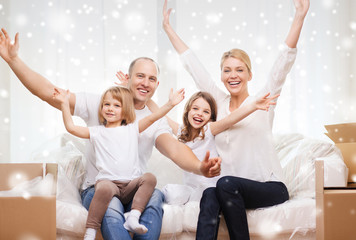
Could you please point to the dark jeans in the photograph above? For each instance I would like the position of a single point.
(232, 196)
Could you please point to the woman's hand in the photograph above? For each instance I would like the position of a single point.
(301, 7)
(8, 50)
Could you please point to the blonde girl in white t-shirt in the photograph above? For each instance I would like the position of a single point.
(116, 149)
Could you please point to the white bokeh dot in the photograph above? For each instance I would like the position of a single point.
(4, 93)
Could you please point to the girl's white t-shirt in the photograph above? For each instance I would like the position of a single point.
(200, 147)
(87, 107)
(116, 152)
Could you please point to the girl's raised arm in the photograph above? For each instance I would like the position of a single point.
(174, 99)
(62, 97)
(240, 113)
(154, 107)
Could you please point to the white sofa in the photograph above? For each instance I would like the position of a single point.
(294, 219)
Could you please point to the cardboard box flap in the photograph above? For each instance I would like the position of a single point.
(341, 133)
(14, 173)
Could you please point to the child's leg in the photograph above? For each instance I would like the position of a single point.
(104, 192)
(140, 190)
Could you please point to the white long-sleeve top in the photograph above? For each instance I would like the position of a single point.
(246, 149)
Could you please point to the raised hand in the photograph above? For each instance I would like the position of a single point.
(264, 102)
(123, 78)
(8, 50)
(301, 7)
(176, 97)
(166, 14)
(61, 97)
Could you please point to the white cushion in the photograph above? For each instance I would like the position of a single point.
(172, 221)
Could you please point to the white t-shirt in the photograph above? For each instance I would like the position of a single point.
(87, 107)
(200, 147)
(116, 151)
(246, 149)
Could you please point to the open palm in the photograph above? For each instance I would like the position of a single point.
(8, 50)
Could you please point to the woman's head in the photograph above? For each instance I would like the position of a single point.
(117, 105)
(198, 111)
(236, 71)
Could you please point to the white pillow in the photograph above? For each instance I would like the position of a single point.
(190, 216)
(176, 194)
(70, 218)
(172, 221)
(297, 155)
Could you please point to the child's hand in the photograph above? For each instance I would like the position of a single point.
(264, 102)
(123, 78)
(62, 97)
(176, 97)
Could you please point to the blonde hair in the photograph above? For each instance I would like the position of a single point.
(187, 134)
(238, 54)
(123, 95)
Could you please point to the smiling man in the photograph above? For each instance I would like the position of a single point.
(143, 82)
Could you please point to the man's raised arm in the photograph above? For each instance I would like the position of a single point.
(34, 82)
(183, 156)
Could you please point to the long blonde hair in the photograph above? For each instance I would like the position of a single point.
(123, 95)
(187, 133)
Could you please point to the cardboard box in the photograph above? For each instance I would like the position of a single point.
(336, 211)
(344, 137)
(27, 217)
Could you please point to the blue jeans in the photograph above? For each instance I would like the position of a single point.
(232, 196)
(112, 224)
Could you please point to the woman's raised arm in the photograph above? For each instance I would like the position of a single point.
(301, 7)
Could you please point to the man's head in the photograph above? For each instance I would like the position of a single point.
(143, 80)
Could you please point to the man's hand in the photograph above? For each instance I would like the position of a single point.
(166, 14)
(8, 50)
(210, 167)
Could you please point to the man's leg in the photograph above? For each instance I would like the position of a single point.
(209, 216)
(152, 217)
(112, 225)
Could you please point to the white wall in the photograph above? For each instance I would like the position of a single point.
(80, 44)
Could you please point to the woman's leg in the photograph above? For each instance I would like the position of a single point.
(209, 216)
(236, 194)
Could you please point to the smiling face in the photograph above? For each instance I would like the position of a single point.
(235, 76)
(143, 81)
(199, 113)
(111, 110)
(116, 107)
